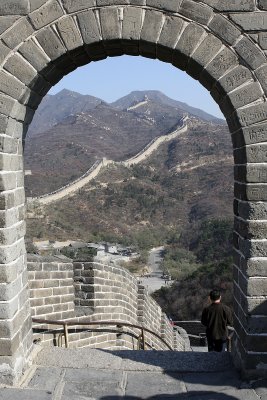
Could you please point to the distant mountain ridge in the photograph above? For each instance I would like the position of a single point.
(55, 108)
(159, 97)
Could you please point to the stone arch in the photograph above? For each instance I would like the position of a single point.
(217, 43)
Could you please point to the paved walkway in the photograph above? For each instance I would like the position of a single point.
(88, 374)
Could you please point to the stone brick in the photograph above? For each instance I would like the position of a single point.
(251, 115)
(205, 52)
(110, 26)
(6, 105)
(251, 173)
(89, 27)
(31, 99)
(223, 62)
(254, 267)
(69, 33)
(251, 154)
(14, 7)
(224, 29)
(240, 97)
(251, 192)
(263, 40)
(169, 5)
(34, 54)
(261, 75)
(251, 229)
(234, 5)
(255, 248)
(46, 14)
(11, 235)
(131, 24)
(250, 53)
(78, 5)
(250, 135)
(150, 33)
(232, 80)
(7, 21)
(250, 21)
(4, 51)
(11, 86)
(195, 11)
(187, 43)
(17, 66)
(51, 43)
(262, 4)
(170, 31)
(17, 33)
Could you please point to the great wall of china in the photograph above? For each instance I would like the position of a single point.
(72, 187)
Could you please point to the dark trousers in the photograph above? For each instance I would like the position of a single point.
(216, 345)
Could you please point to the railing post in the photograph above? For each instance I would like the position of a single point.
(143, 339)
(66, 333)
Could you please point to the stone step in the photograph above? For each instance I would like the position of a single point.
(130, 360)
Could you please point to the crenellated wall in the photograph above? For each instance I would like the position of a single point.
(86, 291)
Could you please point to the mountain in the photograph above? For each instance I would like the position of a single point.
(158, 97)
(54, 108)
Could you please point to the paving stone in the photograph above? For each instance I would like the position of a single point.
(16, 394)
(46, 378)
(91, 390)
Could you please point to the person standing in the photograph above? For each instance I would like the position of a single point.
(215, 318)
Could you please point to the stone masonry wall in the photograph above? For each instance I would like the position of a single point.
(220, 43)
(94, 292)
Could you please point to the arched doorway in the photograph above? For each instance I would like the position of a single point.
(40, 46)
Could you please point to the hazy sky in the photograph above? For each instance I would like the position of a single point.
(115, 77)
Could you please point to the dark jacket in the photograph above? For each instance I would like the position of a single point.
(216, 317)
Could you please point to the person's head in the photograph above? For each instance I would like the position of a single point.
(215, 295)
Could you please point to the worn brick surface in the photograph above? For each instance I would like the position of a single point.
(224, 29)
(48, 13)
(14, 7)
(195, 11)
(78, 5)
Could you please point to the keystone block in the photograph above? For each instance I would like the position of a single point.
(48, 13)
(195, 11)
(14, 7)
(17, 33)
(110, 25)
(78, 5)
(131, 24)
(89, 27)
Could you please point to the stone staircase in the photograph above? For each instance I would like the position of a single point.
(87, 374)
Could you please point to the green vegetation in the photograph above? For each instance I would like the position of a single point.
(210, 254)
(80, 254)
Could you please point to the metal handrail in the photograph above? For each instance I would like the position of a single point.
(66, 324)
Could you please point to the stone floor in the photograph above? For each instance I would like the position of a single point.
(88, 374)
